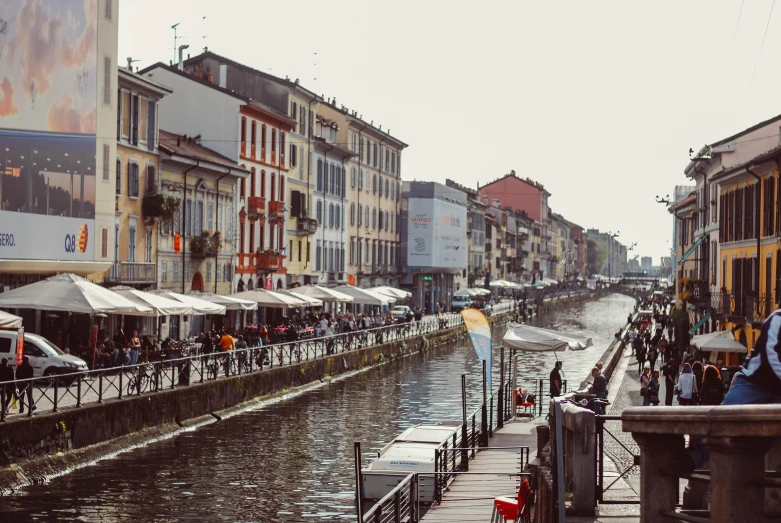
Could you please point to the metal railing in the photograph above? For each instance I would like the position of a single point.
(132, 272)
(399, 505)
(750, 308)
(54, 392)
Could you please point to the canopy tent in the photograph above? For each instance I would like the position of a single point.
(480, 291)
(366, 296)
(159, 305)
(230, 303)
(199, 307)
(310, 301)
(322, 293)
(68, 292)
(392, 292)
(272, 299)
(718, 341)
(467, 292)
(9, 321)
(526, 337)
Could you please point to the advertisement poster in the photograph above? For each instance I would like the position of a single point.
(437, 234)
(48, 122)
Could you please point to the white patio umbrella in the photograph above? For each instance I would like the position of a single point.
(229, 302)
(499, 283)
(467, 292)
(311, 302)
(323, 293)
(480, 291)
(391, 291)
(159, 305)
(199, 307)
(535, 339)
(266, 298)
(68, 292)
(718, 341)
(366, 296)
(9, 321)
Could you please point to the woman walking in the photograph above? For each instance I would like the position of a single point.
(712, 390)
(687, 386)
(645, 378)
(653, 389)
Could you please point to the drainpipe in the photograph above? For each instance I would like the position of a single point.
(216, 216)
(756, 229)
(184, 218)
(379, 201)
(309, 169)
(358, 203)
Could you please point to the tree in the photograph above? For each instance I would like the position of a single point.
(596, 256)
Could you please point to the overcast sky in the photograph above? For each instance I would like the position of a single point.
(599, 101)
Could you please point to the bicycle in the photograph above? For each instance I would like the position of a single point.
(141, 380)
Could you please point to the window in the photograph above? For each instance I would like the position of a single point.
(107, 72)
(151, 180)
(104, 242)
(293, 110)
(243, 136)
(374, 184)
(108, 10)
(188, 214)
(281, 187)
(302, 122)
(148, 245)
(360, 180)
(273, 141)
(338, 216)
(210, 214)
(380, 188)
(387, 160)
(386, 189)
(229, 222)
(293, 155)
(208, 271)
(374, 217)
(352, 251)
(151, 130)
(134, 109)
(300, 243)
(353, 176)
(331, 216)
(393, 191)
(263, 142)
(368, 152)
(132, 179)
(360, 152)
(131, 241)
(393, 162)
(366, 216)
(186, 271)
(118, 182)
(381, 220)
(319, 208)
(320, 175)
(360, 214)
(318, 256)
(375, 155)
(352, 213)
(164, 272)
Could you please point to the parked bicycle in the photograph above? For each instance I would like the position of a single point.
(141, 380)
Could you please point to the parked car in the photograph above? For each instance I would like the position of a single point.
(399, 312)
(460, 302)
(46, 358)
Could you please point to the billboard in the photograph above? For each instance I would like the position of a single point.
(436, 234)
(48, 126)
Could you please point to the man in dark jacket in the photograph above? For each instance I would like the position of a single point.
(600, 388)
(25, 372)
(7, 386)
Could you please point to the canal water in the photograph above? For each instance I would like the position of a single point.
(292, 460)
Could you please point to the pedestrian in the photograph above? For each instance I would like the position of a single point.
(687, 386)
(645, 377)
(7, 386)
(653, 389)
(712, 389)
(640, 354)
(653, 354)
(670, 372)
(698, 370)
(555, 380)
(135, 346)
(600, 390)
(25, 371)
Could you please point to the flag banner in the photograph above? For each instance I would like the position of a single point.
(480, 334)
(19, 347)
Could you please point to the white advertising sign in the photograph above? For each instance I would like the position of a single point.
(25, 236)
(436, 234)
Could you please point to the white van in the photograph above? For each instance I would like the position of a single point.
(46, 358)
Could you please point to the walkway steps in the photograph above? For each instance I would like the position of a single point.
(471, 497)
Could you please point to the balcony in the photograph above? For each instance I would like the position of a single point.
(696, 291)
(307, 225)
(205, 244)
(742, 307)
(256, 207)
(276, 210)
(268, 261)
(135, 273)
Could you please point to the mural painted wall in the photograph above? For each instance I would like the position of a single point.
(48, 125)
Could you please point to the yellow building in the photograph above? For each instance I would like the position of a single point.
(137, 168)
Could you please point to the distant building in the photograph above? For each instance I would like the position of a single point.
(646, 262)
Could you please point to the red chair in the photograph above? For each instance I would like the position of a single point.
(517, 510)
(525, 402)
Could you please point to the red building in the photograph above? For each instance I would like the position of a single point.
(518, 194)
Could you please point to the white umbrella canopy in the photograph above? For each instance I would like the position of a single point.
(159, 305)
(500, 283)
(9, 321)
(199, 307)
(68, 292)
(480, 291)
(311, 302)
(391, 291)
(535, 339)
(322, 293)
(229, 302)
(266, 298)
(366, 296)
(718, 341)
(467, 292)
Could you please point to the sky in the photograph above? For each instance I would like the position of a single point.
(598, 101)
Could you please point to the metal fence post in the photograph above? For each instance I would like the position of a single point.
(121, 376)
(56, 393)
(78, 391)
(358, 486)
(500, 398)
(437, 493)
(100, 387)
(464, 436)
(484, 421)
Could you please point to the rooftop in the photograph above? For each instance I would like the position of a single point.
(188, 146)
(527, 180)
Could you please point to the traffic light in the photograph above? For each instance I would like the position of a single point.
(177, 243)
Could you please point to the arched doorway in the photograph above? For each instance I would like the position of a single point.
(197, 282)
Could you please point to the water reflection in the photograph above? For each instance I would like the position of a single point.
(291, 461)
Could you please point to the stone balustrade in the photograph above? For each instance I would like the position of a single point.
(743, 480)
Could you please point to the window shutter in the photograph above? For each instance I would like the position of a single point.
(104, 242)
(295, 204)
(151, 114)
(106, 152)
(107, 70)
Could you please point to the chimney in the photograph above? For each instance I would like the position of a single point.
(224, 75)
(496, 203)
(182, 47)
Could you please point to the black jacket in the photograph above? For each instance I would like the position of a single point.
(6, 373)
(24, 371)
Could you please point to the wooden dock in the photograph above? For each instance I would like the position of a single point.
(471, 497)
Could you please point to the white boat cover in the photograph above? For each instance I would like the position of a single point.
(526, 337)
(718, 341)
(199, 307)
(323, 293)
(68, 292)
(9, 321)
(229, 302)
(160, 305)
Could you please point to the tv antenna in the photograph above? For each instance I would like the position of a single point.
(175, 39)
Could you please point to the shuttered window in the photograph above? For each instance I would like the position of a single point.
(151, 114)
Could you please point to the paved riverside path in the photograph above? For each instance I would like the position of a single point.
(471, 497)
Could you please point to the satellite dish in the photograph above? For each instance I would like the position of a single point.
(5, 26)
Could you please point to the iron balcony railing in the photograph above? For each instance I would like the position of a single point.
(132, 272)
(749, 308)
(108, 381)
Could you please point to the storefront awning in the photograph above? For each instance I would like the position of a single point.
(699, 324)
(691, 250)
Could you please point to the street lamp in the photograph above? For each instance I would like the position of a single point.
(666, 200)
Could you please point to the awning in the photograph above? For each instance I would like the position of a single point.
(691, 250)
(699, 324)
